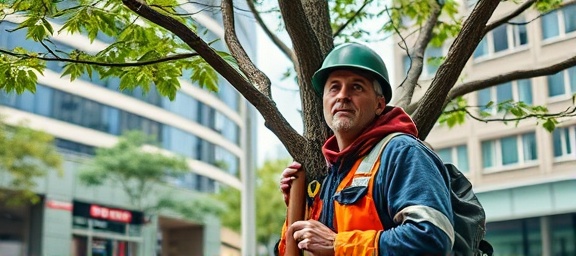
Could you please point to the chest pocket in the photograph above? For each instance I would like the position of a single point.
(350, 195)
(354, 207)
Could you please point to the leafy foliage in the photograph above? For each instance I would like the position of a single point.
(133, 41)
(25, 155)
(131, 165)
(547, 5)
(19, 74)
(270, 207)
(140, 170)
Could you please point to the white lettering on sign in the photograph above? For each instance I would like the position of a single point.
(106, 213)
(58, 205)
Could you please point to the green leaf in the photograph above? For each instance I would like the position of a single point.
(48, 26)
(550, 124)
(74, 70)
(518, 112)
(204, 75)
(489, 104)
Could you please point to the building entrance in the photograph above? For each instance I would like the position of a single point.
(105, 231)
(96, 246)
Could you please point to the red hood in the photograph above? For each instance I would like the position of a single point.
(392, 120)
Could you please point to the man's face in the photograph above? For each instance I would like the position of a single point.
(350, 102)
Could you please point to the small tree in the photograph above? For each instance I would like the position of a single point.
(140, 170)
(25, 156)
(270, 207)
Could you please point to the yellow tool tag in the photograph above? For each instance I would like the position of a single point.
(313, 188)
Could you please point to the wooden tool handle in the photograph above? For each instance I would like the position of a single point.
(296, 210)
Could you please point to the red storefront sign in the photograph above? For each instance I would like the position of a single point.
(58, 205)
(111, 214)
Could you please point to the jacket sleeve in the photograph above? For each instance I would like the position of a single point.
(414, 194)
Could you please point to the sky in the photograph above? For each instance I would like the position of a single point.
(274, 63)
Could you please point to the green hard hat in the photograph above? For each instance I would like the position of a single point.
(353, 56)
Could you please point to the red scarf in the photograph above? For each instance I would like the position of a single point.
(392, 120)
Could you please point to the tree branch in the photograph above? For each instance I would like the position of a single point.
(522, 8)
(255, 76)
(406, 89)
(431, 108)
(469, 87)
(276, 40)
(569, 112)
(103, 64)
(508, 17)
(276, 122)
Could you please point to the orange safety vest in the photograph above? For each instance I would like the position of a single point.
(357, 225)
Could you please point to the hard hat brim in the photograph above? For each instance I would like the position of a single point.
(319, 79)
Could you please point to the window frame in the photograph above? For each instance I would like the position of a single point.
(560, 23)
(455, 160)
(515, 85)
(569, 88)
(497, 156)
(572, 137)
(512, 38)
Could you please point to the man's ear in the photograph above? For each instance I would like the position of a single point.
(381, 105)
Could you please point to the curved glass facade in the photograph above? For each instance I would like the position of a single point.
(74, 109)
(84, 112)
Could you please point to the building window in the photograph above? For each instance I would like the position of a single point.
(507, 151)
(563, 234)
(559, 22)
(515, 237)
(457, 155)
(481, 49)
(562, 83)
(520, 90)
(502, 38)
(550, 25)
(564, 139)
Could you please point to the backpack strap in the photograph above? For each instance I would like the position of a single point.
(361, 177)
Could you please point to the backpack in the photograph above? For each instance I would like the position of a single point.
(469, 215)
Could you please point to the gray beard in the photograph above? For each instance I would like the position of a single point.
(342, 124)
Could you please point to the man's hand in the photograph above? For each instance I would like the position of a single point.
(314, 237)
(287, 178)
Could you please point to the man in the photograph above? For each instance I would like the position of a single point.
(404, 207)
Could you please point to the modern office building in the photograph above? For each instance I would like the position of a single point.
(215, 131)
(524, 175)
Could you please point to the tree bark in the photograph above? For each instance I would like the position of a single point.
(309, 57)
